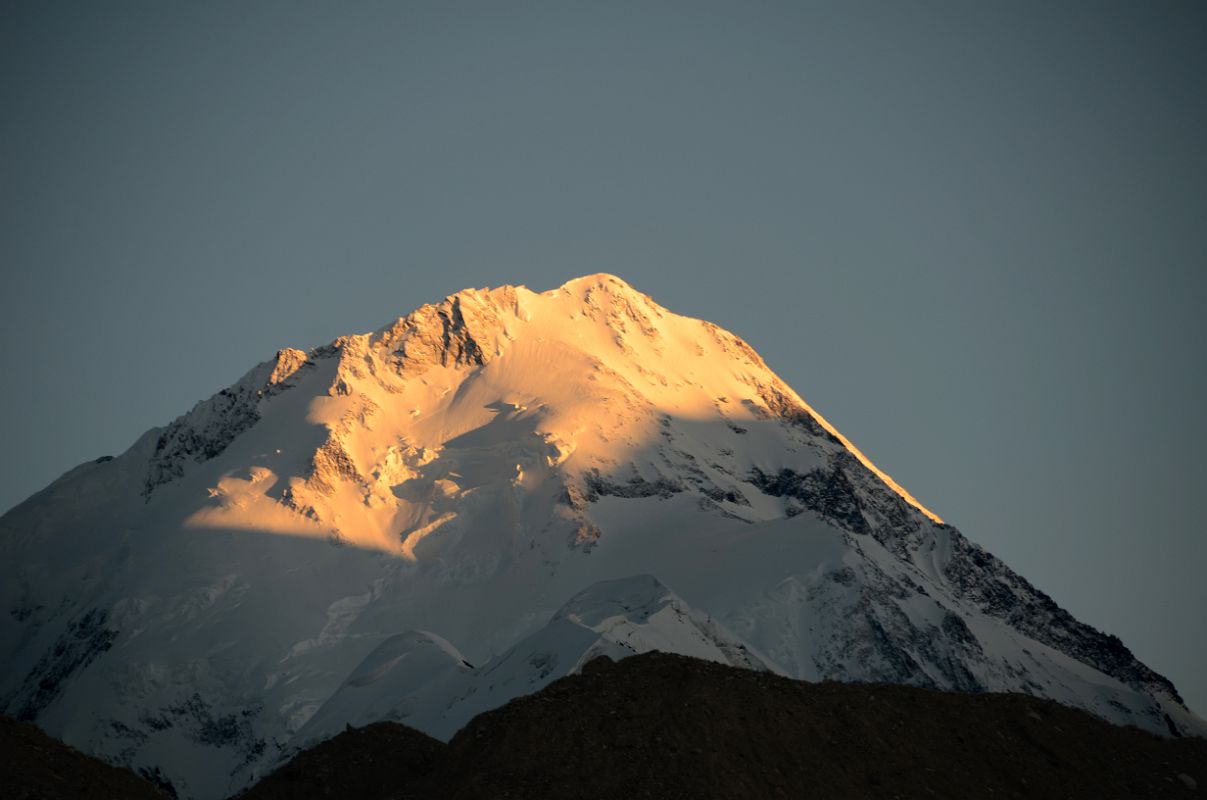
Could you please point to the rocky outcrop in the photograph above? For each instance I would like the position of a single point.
(207, 430)
(850, 497)
(86, 637)
(637, 485)
(461, 331)
(983, 579)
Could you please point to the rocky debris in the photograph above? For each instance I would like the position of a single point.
(667, 726)
(37, 767)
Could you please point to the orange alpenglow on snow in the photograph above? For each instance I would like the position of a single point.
(575, 379)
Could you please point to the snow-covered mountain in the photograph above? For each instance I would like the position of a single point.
(422, 522)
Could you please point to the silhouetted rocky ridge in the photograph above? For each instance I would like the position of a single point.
(666, 726)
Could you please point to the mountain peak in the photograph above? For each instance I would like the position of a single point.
(600, 280)
(467, 471)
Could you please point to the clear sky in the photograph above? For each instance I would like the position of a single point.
(972, 235)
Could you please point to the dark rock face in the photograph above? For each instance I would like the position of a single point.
(213, 424)
(458, 342)
(203, 725)
(637, 486)
(851, 497)
(781, 405)
(667, 726)
(183, 441)
(983, 578)
(445, 334)
(86, 637)
(826, 491)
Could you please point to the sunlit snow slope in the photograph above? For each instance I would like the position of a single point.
(421, 522)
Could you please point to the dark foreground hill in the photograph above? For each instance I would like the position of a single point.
(666, 726)
(34, 766)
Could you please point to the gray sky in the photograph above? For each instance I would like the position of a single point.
(974, 236)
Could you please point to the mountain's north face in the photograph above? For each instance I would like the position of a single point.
(423, 522)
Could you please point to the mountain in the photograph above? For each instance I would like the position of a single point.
(669, 726)
(422, 522)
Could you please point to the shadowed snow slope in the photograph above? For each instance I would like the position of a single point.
(419, 679)
(267, 567)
